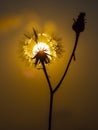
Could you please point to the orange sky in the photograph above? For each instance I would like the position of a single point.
(24, 93)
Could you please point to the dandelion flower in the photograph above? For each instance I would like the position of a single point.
(39, 48)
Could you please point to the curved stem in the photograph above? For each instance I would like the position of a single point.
(69, 62)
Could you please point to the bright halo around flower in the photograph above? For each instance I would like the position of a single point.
(39, 48)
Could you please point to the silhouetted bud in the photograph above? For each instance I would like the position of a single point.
(79, 24)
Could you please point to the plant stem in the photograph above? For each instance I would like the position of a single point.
(45, 72)
(50, 111)
(69, 62)
(51, 96)
(62, 78)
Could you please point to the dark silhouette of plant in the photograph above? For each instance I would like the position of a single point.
(42, 56)
(78, 26)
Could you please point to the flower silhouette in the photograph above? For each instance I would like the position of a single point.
(40, 49)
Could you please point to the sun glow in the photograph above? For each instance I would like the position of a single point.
(41, 46)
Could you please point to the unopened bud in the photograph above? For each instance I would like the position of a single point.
(79, 24)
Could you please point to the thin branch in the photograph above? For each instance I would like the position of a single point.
(69, 62)
(78, 26)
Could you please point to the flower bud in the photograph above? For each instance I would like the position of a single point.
(79, 24)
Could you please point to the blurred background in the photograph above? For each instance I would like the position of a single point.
(24, 92)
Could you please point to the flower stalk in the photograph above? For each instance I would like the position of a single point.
(50, 111)
(52, 92)
(45, 72)
(51, 96)
(78, 27)
(69, 62)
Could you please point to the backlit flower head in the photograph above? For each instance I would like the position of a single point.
(39, 48)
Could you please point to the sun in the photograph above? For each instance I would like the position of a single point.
(40, 47)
